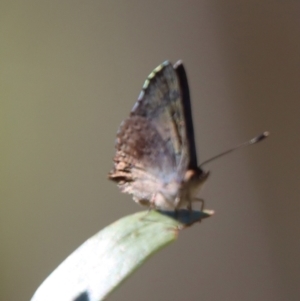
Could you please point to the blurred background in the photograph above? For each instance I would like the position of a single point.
(71, 72)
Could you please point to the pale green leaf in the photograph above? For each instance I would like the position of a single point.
(100, 264)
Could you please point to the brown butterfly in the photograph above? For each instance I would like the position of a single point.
(156, 160)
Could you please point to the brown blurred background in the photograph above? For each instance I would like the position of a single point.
(70, 73)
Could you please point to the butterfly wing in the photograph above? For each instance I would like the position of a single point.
(165, 100)
(155, 145)
(188, 118)
(143, 163)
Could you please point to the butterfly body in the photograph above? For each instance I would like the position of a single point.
(155, 158)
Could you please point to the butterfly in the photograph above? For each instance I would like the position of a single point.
(156, 160)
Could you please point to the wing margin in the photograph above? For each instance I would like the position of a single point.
(187, 108)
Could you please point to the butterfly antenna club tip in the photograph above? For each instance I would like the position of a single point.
(247, 143)
(260, 137)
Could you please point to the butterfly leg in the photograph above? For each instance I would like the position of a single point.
(176, 213)
(198, 200)
(152, 202)
(151, 206)
(176, 208)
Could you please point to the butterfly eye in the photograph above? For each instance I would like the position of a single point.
(188, 175)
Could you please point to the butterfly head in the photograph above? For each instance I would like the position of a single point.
(192, 182)
(194, 178)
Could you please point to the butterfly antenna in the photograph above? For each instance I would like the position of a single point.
(247, 143)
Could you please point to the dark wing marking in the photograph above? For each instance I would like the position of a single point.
(186, 104)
